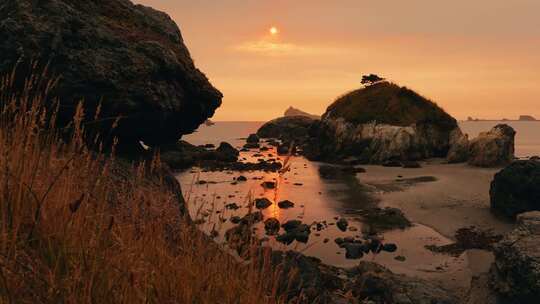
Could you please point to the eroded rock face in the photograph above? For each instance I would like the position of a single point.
(516, 189)
(377, 143)
(515, 275)
(459, 147)
(131, 58)
(493, 148)
(379, 123)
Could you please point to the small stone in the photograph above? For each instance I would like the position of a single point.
(286, 238)
(232, 206)
(241, 178)
(354, 251)
(342, 224)
(269, 185)
(271, 226)
(389, 247)
(285, 204)
(262, 203)
(400, 258)
(291, 225)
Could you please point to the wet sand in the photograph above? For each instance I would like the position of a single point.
(437, 198)
(459, 197)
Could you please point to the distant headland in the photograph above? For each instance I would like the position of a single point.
(521, 118)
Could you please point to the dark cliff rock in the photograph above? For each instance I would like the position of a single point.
(515, 189)
(515, 275)
(130, 58)
(289, 128)
(493, 148)
(379, 123)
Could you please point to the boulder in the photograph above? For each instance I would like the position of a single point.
(378, 284)
(226, 152)
(128, 60)
(183, 155)
(493, 148)
(515, 189)
(253, 139)
(459, 147)
(381, 122)
(287, 129)
(515, 275)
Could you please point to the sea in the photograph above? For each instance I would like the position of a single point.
(318, 200)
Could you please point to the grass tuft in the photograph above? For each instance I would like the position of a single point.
(80, 226)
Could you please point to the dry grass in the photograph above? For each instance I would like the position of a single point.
(83, 227)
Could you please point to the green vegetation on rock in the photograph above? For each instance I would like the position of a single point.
(389, 103)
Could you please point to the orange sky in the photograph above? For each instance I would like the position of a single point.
(478, 59)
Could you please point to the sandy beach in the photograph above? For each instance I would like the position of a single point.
(459, 197)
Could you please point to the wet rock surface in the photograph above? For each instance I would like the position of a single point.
(515, 189)
(469, 238)
(515, 275)
(493, 148)
(381, 219)
(129, 58)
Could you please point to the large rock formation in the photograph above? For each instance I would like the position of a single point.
(131, 58)
(382, 122)
(459, 147)
(516, 189)
(493, 148)
(291, 111)
(288, 128)
(515, 275)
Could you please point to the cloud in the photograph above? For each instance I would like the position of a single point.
(265, 47)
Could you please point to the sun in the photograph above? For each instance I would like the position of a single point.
(274, 31)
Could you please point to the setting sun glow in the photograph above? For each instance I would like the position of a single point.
(274, 30)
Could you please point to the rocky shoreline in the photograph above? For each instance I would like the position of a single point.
(142, 93)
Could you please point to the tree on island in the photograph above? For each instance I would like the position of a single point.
(371, 79)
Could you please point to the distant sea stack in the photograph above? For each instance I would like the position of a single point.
(526, 118)
(383, 122)
(130, 58)
(291, 111)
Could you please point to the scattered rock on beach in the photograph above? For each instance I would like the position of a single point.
(253, 139)
(232, 206)
(459, 147)
(354, 251)
(271, 226)
(286, 204)
(493, 148)
(226, 152)
(515, 189)
(262, 203)
(268, 185)
(342, 224)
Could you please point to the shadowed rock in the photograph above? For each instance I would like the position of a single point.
(515, 189)
(130, 58)
(515, 275)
